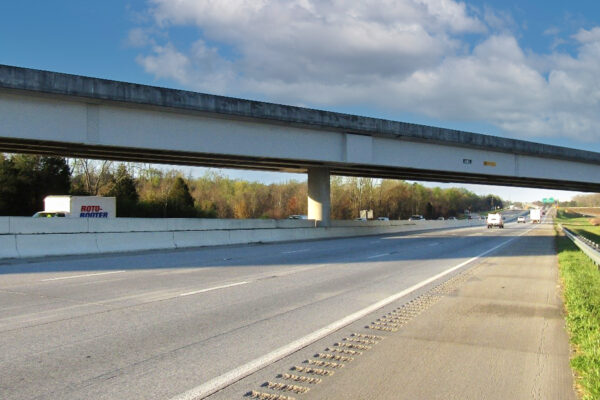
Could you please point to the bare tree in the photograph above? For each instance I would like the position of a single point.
(95, 174)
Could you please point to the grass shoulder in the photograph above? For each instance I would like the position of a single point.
(581, 285)
(579, 224)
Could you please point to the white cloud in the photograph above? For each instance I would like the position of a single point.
(400, 55)
(498, 20)
(140, 37)
(200, 69)
(334, 41)
(552, 31)
(591, 36)
(167, 62)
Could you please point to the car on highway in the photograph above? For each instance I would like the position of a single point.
(495, 220)
(416, 218)
(296, 216)
(520, 219)
(441, 219)
(383, 219)
(49, 214)
(452, 219)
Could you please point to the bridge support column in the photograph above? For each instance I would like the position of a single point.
(319, 201)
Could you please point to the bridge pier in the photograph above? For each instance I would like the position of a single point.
(319, 200)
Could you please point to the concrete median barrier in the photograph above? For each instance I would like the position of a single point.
(57, 244)
(294, 223)
(8, 246)
(134, 241)
(183, 239)
(29, 237)
(4, 225)
(112, 225)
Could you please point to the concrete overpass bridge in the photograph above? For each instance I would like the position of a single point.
(53, 113)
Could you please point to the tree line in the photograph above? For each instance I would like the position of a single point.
(583, 200)
(143, 190)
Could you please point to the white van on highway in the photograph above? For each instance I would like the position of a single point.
(495, 220)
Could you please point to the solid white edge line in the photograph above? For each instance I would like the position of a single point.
(220, 382)
(81, 276)
(213, 288)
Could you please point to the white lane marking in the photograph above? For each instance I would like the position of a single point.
(213, 288)
(375, 241)
(218, 383)
(433, 244)
(81, 276)
(294, 251)
(379, 255)
(295, 271)
(185, 271)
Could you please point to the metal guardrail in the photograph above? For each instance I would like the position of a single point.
(589, 247)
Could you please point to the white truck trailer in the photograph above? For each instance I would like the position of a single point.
(82, 206)
(535, 215)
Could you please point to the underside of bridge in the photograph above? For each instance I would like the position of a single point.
(171, 157)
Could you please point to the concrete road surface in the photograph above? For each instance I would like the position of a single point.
(165, 325)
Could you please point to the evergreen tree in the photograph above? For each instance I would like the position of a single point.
(38, 177)
(180, 203)
(126, 193)
(8, 186)
(55, 176)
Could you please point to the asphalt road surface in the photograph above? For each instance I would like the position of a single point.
(163, 325)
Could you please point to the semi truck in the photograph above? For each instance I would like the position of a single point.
(535, 215)
(79, 207)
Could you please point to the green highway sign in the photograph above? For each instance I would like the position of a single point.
(549, 200)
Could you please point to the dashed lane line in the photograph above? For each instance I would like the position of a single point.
(294, 251)
(379, 255)
(213, 288)
(81, 276)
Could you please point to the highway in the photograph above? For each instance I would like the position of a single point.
(161, 325)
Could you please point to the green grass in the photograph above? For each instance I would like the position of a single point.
(579, 225)
(581, 280)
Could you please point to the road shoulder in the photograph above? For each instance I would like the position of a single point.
(499, 334)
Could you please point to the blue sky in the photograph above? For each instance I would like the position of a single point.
(526, 70)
